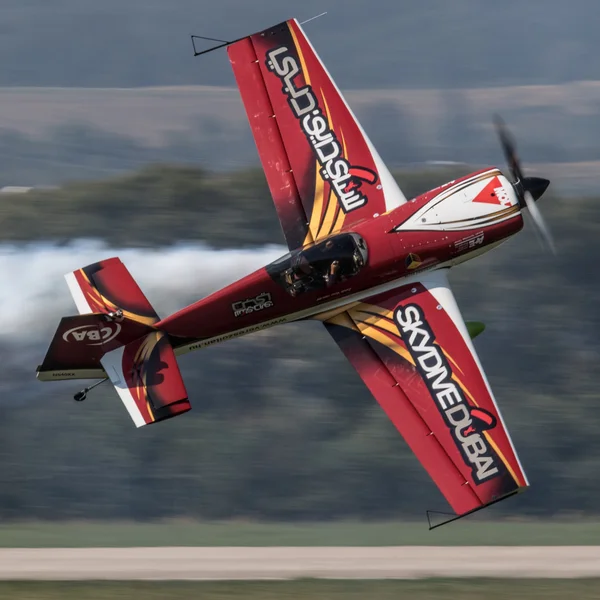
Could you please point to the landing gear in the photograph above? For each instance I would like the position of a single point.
(82, 395)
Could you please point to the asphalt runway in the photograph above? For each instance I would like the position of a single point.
(404, 562)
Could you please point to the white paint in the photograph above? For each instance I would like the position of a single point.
(437, 283)
(453, 209)
(113, 365)
(78, 296)
(394, 196)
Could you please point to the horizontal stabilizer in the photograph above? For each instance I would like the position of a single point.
(147, 378)
(108, 287)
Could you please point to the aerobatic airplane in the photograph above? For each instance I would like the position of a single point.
(369, 263)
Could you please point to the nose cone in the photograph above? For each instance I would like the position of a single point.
(536, 186)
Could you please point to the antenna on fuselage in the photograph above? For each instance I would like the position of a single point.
(313, 18)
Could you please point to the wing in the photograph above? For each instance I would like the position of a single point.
(323, 172)
(413, 351)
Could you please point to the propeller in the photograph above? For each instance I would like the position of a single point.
(528, 189)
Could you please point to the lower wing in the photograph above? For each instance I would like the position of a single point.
(413, 351)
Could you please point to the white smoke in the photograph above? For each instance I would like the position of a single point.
(34, 295)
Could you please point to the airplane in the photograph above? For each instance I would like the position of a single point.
(369, 263)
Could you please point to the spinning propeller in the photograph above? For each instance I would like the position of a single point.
(528, 189)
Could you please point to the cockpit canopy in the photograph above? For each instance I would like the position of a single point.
(320, 265)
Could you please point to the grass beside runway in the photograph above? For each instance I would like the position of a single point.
(390, 533)
(433, 589)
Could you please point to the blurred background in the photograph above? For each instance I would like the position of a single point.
(114, 140)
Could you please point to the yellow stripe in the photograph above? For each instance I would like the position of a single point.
(309, 236)
(380, 337)
(330, 314)
(486, 433)
(315, 226)
(111, 306)
(404, 353)
(344, 320)
(377, 322)
(339, 222)
(139, 318)
(502, 457)
(369, 331)
(373, 308)
(454, 363)
(152, 417)
(317, 209)
(300, 55)
(319, 230)
(327, 224)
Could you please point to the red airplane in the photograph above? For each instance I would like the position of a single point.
(366, 261)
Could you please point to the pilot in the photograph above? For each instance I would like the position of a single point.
(333, 273)
(299, 269)
(332, 276)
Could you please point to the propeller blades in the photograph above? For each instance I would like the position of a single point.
(528, 189)
(509, 148)
(540, 224)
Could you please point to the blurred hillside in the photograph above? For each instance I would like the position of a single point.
(281, 426)
(49, 135)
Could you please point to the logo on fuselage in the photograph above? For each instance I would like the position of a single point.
(345, 179)
(93, 335)
(470, 242)
(503, 196)
(252, 305)
(413, 261)
(465, 422)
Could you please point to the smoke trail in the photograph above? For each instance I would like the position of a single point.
(34, 295)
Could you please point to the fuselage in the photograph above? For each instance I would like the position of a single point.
(441, 228)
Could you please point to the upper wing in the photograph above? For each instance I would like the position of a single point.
(413, 351)
(322, 170)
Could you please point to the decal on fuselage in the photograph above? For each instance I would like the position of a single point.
(252, 305)
(465, 422)
(503, 196)
(413, 261)
(469, 242)
(345, 179)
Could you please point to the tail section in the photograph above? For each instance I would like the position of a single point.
(114, 337)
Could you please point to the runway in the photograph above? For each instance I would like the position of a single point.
(405, 562)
